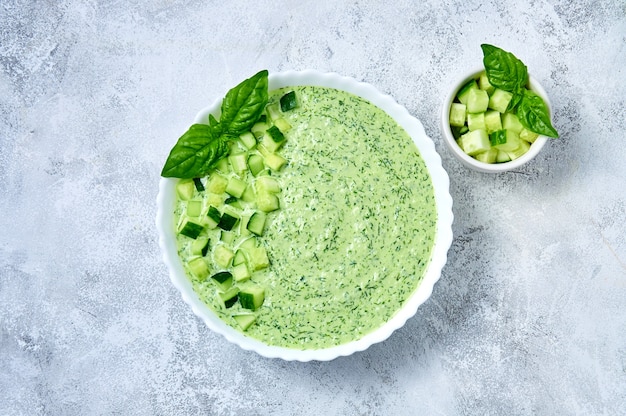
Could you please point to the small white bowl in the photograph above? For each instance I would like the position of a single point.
(469, 161)
(167, 238)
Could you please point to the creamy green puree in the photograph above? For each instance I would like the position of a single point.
(355, 230)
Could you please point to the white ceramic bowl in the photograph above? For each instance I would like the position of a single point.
(470, 161)
(167, 239)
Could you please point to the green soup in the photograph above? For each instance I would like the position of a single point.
(355, 229)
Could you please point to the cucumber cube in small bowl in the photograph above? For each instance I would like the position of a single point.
(467, 140)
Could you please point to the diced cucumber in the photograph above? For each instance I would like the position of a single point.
(227, 221)
(502, 157)
(462, 95)
(522, 148)
(235, 187)
(256, 224)
(249, 195)
(528, 135)
(228, 237)
(229, 297)
(223, 256)
(239, 162)
(488, 157)
(248, 244)
(255, 163)
(251, 297)
(200, 246)
(239, 258)
(199, 185)
(484, 84)
(267, 184)
(241, 272)
(476, 121)
(457, 114)
(244, 321)
(477, 101)
(273, 112)
(199, 268)
(288, 101)
(185, 189)
(223, 165)
(223, 279)
(248, 140)
(506, 140)
(267, 202)
(194, 208)
(217, 183)
(259, 128)
(475, 142)
(258, 258)
(190, 229)
(274, 161)
(233, 202)
(511, 122)
(500, 100)
(282, 125)
(493, 122)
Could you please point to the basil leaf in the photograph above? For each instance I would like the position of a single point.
(244, 104)
(503, 69)
(533, 114)
(195, 153)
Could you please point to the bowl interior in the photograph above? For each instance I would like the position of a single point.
(167, 240)
(469, 161)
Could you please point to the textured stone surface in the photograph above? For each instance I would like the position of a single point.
(528, 317)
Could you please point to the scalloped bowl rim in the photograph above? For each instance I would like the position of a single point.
(443, 238)
(469, 161)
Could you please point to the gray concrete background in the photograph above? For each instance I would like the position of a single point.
(528, 317)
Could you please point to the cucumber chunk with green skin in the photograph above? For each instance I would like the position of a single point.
(255, 164)
(288, 101)
(191, 229)
(256, 224)
(267, 201)
(244, 321)
(252, 297)
(224, 280)
(217, 183)
(233, 202)
(227, 221)
(502, 157)
(528, 135)
(200, 246)
(229, 297)
(199, 185)
(463, 93)
(457, 114)
(506, 140)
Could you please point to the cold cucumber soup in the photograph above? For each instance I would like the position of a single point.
(317, 235)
